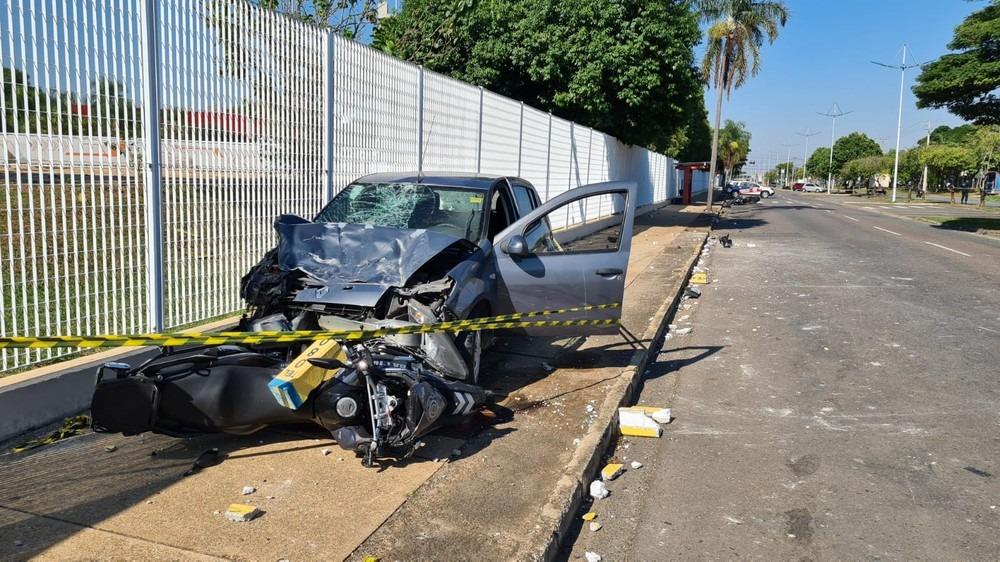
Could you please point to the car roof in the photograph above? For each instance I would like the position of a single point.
(443, 179)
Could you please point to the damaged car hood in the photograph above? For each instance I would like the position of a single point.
(354, 263)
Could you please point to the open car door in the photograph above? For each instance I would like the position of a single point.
(570, 252)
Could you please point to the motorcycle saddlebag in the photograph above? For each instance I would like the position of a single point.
(124, 405)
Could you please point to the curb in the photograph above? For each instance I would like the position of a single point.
(570, 490)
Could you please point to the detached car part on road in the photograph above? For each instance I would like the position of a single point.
(390, 250)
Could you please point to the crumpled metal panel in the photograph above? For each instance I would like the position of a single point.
(341, 253)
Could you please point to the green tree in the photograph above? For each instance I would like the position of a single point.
(953, 135)
(734, 146)
(818, 164)
(861, 171)
(24, 104)
(736, 34)
(625, 67)
(350, 18)
(966, 82)
(951, 162)
(852, 147)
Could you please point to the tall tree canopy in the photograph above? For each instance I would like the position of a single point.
(818, 164)
(734, 146)
(625, 67)
(966, 82)
(851, 147)
(737, 30)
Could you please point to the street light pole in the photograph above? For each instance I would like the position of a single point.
(923, 182)
(835, 112)
(805, 154)
(899, 120)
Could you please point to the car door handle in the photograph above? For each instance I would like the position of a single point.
(609, 271)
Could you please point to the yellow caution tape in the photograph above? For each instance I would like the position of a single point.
(500, 322)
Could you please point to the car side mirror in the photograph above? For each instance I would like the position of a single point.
(517, 246)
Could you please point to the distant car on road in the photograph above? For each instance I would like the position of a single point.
(766, 191)
(808, 187)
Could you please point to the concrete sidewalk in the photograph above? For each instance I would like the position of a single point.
(504, 495)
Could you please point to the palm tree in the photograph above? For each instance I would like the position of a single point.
(736, 33)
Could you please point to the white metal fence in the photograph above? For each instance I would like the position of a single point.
(114, 219)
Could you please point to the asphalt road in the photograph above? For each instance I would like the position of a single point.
(838, 399)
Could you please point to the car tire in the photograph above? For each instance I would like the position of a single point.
(470, 345)
(765, 195)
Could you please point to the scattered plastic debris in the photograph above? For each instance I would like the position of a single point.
(663, 415)
(241, 513)
(636, 464)
(700, 278)
(325, 452)
(589, 516)
(110, 449)
(209, 458)
(692, 292)
(683, 331)
(684, 318)
(247, 490)
(598, 490)
(76, 425)
(612, 471)
(635, 422)
(726, 241)
(372, 559)
(750, 245)
(595, 526)
(592, 556)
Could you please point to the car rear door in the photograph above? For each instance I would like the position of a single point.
(570, 252)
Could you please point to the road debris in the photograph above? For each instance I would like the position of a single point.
(76, 425)
(636, 423)
(662, 415)
(241, 513)
(692, 292)
(325, 452)
(700, 278)
(110, 449)
(592, 556)
(595, 526)
(683, 331)
(726, 241)
(589, 516)
(247, 490)
(598, 490)
(208, 458)
(612, 471)
(636, 464)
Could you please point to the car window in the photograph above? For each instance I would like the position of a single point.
(448, 210)
(525, 203)
(588, 224)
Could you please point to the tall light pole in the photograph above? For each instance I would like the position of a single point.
(923, 182)
(835, 112)
(805, 153)
(788, 169)
(899, 120)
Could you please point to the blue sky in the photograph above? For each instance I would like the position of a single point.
(823, 56)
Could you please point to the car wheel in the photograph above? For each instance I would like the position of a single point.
(470, 345)
(765, 195)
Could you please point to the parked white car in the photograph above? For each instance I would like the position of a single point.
(766, 191)
(812, 188)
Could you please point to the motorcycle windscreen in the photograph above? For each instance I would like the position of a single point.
(571, 252)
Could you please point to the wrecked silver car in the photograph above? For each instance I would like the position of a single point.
(389, 251)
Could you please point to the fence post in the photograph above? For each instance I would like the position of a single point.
(150, 62)
(420, 119)
(329, 122)
(479, 143)
(520, 138)
(548, 158)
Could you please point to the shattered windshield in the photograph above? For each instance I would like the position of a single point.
(447, 210)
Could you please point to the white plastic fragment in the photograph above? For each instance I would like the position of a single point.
(325, 452)
(592, 557)
(598, 490)
(662, 415)
(682, 331)
(247, 490)
(636, 464)
(595, 526)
